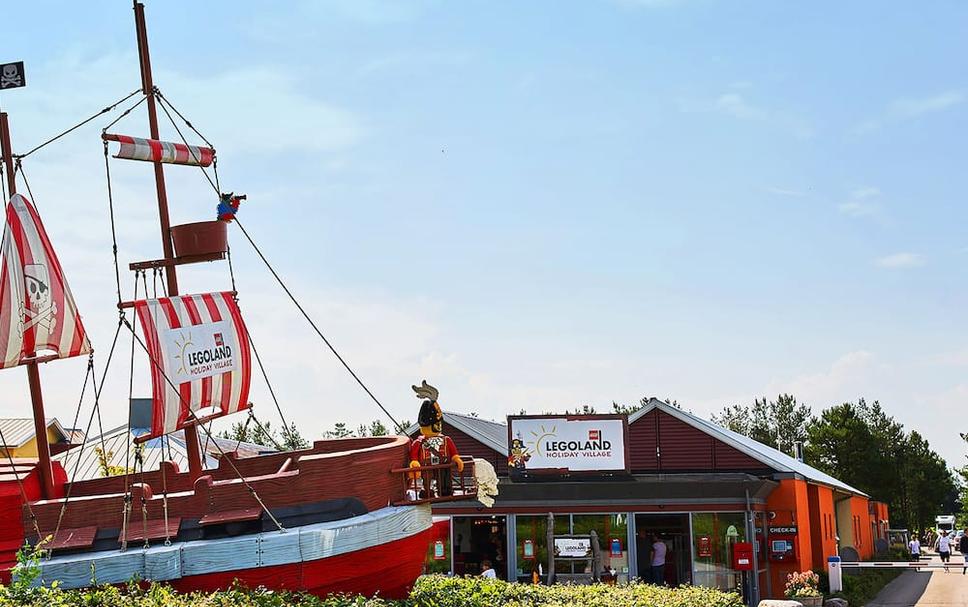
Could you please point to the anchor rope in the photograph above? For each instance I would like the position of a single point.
(79, 125)
(309, 319)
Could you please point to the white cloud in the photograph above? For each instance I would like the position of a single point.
(912, 108)
(785, 192)
(900, 261)
(861, 204)
(830, 385)
(904, 109)
(736, 105)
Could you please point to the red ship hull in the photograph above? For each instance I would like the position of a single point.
(387, 570)
(366, 548)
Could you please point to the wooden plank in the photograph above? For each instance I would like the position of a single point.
(231, 516)
(163, 563)
(155, 530)
(81, 537)
(162, 263)
(86, 569)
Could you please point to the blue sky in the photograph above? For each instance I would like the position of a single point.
(544, 204)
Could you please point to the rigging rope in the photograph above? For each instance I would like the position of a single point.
(400, 428)
(18, 167)
(185, 120)
(114, 235)
(123, 114)
(191, 413)
(87, 430)
(263, 431)
(185, 141)
(126, 506)
(79, 125)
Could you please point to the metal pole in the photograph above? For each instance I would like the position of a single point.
(751, 537)
(148, 87)
(33, 371)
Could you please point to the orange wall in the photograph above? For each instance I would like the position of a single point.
(791, 503)
(823, 526)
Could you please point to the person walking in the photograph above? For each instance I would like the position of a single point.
(943, 546)
(658, 560)
(914, 546)
(963, 549)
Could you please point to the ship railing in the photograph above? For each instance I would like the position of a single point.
(437, 483)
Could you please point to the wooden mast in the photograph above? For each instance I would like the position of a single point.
(33, 369)
(148, 87)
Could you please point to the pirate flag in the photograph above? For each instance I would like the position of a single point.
(37, 310)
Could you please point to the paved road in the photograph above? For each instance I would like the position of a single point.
(930, 588)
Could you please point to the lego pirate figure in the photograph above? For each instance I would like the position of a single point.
(519, 456)
(432, 447)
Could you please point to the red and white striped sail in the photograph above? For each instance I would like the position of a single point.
(37, 310)
(199, 345)
(153, 150)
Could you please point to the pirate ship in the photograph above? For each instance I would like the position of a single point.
(339, 516)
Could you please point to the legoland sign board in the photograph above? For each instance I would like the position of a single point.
(585, 443)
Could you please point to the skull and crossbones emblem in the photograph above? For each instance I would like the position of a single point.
(11, 76)
(40, 308)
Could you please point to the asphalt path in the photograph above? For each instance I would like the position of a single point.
(927, 588)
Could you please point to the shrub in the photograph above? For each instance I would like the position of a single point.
(430, 591)
(438, 591)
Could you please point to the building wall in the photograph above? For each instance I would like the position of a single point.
(29, 449)
(823, 526)
(863, 536)
(791, 504)
(467, 445)
(660, 442)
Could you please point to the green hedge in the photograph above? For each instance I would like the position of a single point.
(437, 591)
(430, 591)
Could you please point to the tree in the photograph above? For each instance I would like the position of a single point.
(375, 428)
(778, 423)
(869, 450)
(288, 438)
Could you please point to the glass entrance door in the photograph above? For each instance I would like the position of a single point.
(671, 530)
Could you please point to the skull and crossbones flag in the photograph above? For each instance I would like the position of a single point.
(201, 365)
(12, 75)
(37, 310)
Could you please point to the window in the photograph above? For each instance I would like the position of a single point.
(532, 538)
(713, 536)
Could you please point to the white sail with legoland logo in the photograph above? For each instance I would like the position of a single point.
(198, 348)
(37, 311)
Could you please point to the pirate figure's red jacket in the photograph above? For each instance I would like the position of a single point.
(431, 450)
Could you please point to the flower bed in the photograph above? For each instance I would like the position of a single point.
(430, 591)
